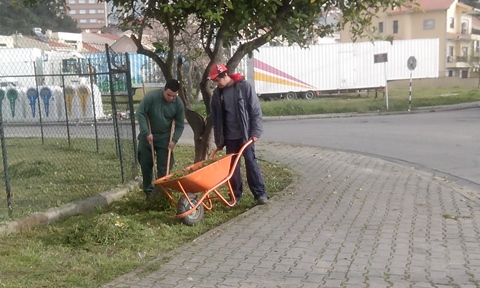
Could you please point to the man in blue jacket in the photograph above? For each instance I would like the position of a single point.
(237, 118)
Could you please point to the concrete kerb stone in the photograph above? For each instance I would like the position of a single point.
(79, 207)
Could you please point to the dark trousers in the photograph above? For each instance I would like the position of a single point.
(146, 163)
(254, 175)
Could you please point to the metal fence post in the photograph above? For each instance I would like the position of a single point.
(66, 111)
(8, 188)
(115, 113)
(95, 123)
(38, 102)
(130, 106)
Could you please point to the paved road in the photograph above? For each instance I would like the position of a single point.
(348, 220)
(444, 142)
(102, 130)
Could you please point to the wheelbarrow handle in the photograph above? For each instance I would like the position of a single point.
(239, 152)
(215, 152)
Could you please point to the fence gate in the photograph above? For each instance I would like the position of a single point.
(67, 128)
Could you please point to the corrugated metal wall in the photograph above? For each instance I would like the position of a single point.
(341, 65)
(143, 69)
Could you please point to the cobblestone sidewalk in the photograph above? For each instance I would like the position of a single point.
(347, 221)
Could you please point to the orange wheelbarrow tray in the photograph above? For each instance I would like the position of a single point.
(201, 185)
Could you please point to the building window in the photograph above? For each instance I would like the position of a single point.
(92, 1)
(92, 11)
(380, 27)
(452, 22)
(82, 21)
(69, 66)
(82, 11)
(93, 20)
(395, 27)
(464, 30)
(71, 2)
(428, 24)
(81, 1)
(73, 12)
(101, 11)
(477, 46)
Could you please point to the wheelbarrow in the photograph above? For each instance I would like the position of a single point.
(199, 184)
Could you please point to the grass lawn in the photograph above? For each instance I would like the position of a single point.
(49, 173)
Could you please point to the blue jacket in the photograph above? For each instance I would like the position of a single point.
(248, 108)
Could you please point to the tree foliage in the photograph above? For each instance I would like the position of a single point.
(223, 23)
(20, 17)
(240, 26)
(473, 3)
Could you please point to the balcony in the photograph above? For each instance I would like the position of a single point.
(462, 61)
(460, 37)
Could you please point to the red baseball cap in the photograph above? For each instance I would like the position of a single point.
(216, 70)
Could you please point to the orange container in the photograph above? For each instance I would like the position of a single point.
(202, 178)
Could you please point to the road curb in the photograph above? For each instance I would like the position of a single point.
(426, 109)
(74, 208)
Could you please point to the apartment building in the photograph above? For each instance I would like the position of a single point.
(453, 23)
(90, 15)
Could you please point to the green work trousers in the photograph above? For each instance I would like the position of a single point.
(146, 161)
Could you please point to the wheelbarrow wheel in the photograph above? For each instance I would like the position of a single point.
(183, 206)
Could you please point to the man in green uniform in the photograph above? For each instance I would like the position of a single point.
(155, 116)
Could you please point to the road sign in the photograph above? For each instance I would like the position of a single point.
(412, 63)
(383, 58)
(379, 58)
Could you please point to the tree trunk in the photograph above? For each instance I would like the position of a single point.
(202, 134)
(201, 127)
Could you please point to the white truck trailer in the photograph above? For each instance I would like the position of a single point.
(292, 72)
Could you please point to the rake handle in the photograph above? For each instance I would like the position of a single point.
(153, 153)
(172, 129)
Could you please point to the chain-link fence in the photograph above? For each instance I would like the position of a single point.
(67, 127)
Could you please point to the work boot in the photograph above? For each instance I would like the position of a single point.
(262, 200)
(157, 199)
